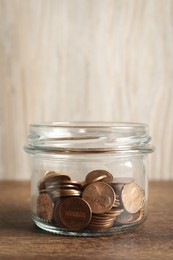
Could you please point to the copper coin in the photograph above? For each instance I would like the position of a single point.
(57, 178)
(75, 213)
(100, 196)
(96, 225)
(65, 193)
(56, 185)
(102, 225)
(132, 197)
(51, 182)
(69, 182)
(116, 203)
(114, 213)
(101, 217)
(66, 186)
(100, 178)
(43, 191)
(48, 175)
(45, 207)
(98, 173)
(56, 213)
(41, 185)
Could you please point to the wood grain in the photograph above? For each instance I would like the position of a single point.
(21, 239)
(109, 60)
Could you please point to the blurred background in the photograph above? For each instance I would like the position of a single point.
(72, 60)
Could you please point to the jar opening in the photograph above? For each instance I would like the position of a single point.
(90, 124)
(88, 137)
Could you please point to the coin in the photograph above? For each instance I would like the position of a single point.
(114, 213)
(100, 178)
(45, 207)
(66, 186)
(49, 177)
(117, 202)
(118, 184)
(63, 188)
(56, 178)
(126, 217)
(100, 196)
(132, 197)
(49, 174)
(101, 222)
(54, 182)
(70, 182)
(98, 173)
(41, 184)
(75, 213)
(43, 191)
(64, 193)
(56, 213)
(57, 182)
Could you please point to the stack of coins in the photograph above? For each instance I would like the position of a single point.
(63, 188)
(59, 186)
(53, 188)
(100, 202)
(104, 220)
(102, 199)
(131, 198)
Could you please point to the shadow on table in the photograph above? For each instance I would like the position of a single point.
(16, 217)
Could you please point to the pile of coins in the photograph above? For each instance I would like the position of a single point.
(98, 203)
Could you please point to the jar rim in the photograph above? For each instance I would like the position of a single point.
(83, 136)
(90, 124)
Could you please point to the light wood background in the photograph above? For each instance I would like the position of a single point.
(64, 60)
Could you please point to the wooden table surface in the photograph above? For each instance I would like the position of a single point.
(21, 239)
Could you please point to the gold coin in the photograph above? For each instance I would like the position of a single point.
(132, 197)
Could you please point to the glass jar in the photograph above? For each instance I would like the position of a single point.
(89, 178)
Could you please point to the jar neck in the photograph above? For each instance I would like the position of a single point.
(89, 137)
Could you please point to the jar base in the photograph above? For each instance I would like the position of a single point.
(86, 233)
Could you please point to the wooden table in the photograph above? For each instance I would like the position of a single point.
(21, 239)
